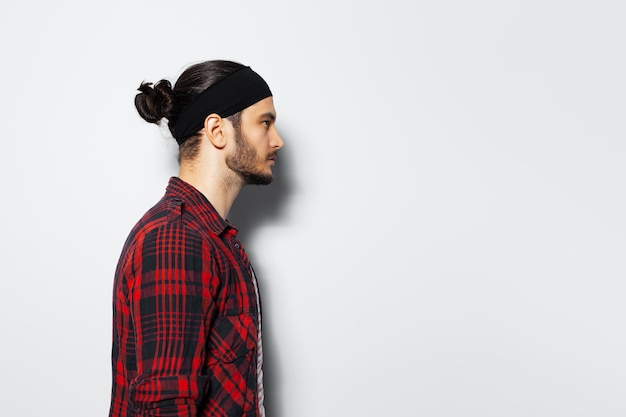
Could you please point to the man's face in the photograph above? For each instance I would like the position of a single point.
(257, 142)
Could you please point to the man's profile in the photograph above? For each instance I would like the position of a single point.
(186, 308)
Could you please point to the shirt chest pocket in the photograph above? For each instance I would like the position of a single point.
(232, 337)
(231, 365)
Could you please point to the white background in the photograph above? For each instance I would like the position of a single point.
(446, 233)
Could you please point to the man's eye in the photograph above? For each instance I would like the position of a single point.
(266, 123)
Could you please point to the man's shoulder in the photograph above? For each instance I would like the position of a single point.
(151, 219)
(167, 216)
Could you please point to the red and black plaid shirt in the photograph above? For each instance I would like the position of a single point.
(185, 315)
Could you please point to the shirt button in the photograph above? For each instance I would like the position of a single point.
(237, 245)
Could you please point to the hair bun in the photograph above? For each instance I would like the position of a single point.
(155, 103)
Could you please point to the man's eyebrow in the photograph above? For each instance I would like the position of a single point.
(268, 115)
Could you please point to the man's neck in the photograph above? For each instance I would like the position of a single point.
(220, 189)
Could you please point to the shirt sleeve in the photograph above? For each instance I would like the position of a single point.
(172, 305)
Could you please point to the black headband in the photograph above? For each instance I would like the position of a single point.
(230, 95)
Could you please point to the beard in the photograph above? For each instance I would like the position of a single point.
(244, 162)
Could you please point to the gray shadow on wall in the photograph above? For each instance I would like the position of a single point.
(260, 204)
(255, 206)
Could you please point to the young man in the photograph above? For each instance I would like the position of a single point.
(186, 310)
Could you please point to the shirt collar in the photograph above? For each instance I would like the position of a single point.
(198, 205)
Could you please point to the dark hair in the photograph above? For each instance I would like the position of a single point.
(162, 101)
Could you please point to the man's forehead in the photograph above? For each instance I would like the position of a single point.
(261, 108)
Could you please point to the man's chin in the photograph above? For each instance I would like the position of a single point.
(257, 179)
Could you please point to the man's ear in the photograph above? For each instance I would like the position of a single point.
(214, 130)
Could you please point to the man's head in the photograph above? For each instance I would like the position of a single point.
(222, 104)
(247, 141)
(257, 142)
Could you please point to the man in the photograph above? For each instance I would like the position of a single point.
(186, 310)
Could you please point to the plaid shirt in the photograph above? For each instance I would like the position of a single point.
(185, 315)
